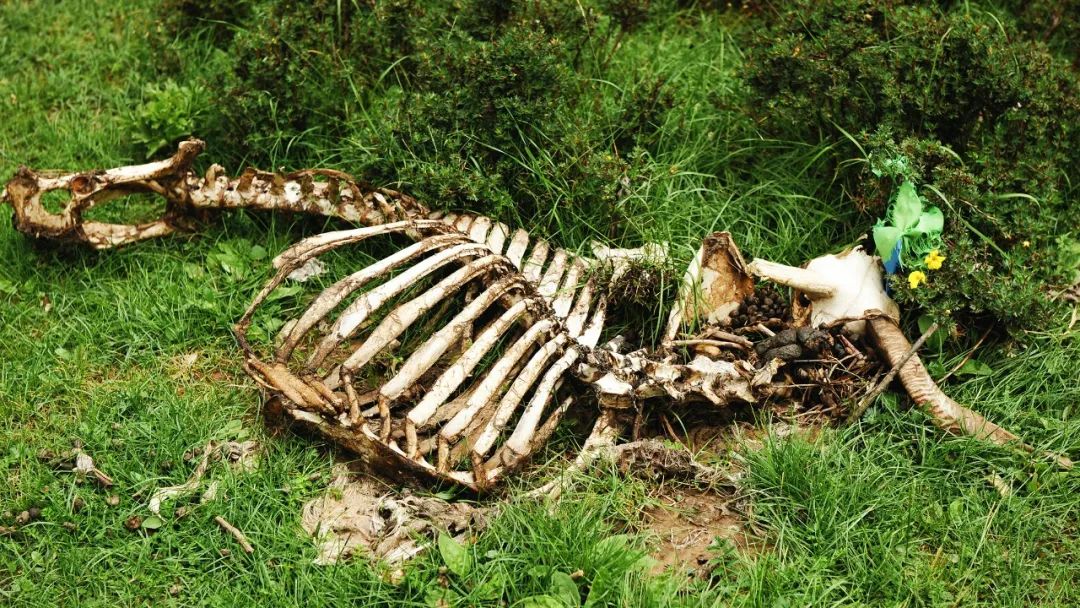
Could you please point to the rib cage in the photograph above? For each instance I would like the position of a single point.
(504, 318)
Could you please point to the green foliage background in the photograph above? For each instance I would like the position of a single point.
(540, 112)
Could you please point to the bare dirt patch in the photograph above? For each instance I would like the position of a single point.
(687, 523)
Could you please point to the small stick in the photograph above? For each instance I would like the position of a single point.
(967, 357)
(850, 348)
(236, 533)
(874, 314)
(718, 334)
(702, 342)
(880, 387)
(667, 427)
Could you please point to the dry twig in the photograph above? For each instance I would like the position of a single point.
(880, 387)
(236, 533)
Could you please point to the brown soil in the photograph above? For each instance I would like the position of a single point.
(687, 523)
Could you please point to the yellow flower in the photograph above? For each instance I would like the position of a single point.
(916, 278)
(934, 259)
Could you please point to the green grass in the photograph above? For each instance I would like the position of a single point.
(888, 512)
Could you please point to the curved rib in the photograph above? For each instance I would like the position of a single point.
(516, 250)
(550, 283)
(521, 438)
(358, 311)
(565, 295)
(452, 378)
(535, 264)
(332, 296)
(402, 317)
(434, 347)
(513, 397)
(494, 379)
(297, 255)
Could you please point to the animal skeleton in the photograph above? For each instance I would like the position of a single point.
(470, 393)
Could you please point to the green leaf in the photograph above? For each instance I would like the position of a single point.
(931, 220)
(936, 369)
(540, 601)
(885, 239)
(455, 555)
(956, 511)
(492, 588)
(152, 523)
(439, 597)
(974, 367)
(612, 545)
(538, 572)
(890, 400)
(284, 291)
(936, 341)
(565, 589)
(231, 429)
(906, 208)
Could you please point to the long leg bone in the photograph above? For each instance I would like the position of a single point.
(849, 285)
(946, 413)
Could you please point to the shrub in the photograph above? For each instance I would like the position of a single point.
(475, 104)
(984, 120)
(218, 18)
(169, 113)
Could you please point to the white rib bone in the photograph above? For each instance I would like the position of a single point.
(463, 222)
(591, 335)
(405, 315)
(301, 252)
(336, 293)
(516, 251)
(497, 237)
(550, 283)
(358, 311)
(565, 296)
(297, 255)
(512, 399)
(519, 441)
(429, 353)
(535, 263)
(576, 319)
(479, 229)
(494, 379)
(452, 378)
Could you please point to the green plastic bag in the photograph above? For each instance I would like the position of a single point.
(909, 231)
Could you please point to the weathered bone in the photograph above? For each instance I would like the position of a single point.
(714, 284)
(843, 286)
(525, 307)
(946, 413)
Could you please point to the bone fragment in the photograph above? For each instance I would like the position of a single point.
(716, 281)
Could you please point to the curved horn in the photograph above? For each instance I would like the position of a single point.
(946, 413)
